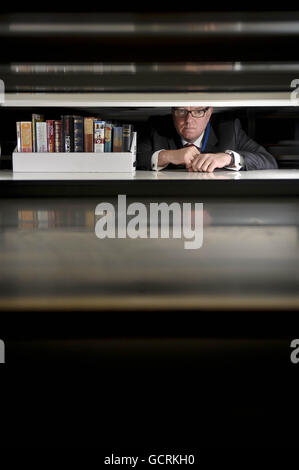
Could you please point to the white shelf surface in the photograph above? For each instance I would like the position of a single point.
(233, 99)
(8, 175)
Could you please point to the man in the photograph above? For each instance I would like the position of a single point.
(187, 139)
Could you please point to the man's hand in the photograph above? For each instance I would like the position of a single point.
(207, 162)
(185, 156)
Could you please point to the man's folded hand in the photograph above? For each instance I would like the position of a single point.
(207, 162)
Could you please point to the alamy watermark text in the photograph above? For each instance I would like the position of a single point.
(153, 220)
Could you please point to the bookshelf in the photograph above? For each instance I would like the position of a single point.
(77, 162)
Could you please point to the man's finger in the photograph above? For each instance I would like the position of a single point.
(206, 166)
(189, 161)
(199, 162)
(211, 168)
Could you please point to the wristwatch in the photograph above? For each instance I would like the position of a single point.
(232, 162)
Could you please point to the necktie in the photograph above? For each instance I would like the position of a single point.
(189, 145)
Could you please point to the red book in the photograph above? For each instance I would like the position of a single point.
(50, 136)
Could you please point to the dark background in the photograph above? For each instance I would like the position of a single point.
(80, 380)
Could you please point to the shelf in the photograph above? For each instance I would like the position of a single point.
(92, 100)
(165, 175)
(178, 183)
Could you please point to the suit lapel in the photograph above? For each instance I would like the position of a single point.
(212, 141)
(176, 142)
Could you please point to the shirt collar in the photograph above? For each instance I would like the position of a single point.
(197, 142)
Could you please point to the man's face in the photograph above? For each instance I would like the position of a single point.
(189, 127)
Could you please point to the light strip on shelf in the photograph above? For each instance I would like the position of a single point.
(148, 99)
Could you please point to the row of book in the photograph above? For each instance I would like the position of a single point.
(73, 134)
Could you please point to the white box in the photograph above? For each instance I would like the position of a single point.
(76, 162)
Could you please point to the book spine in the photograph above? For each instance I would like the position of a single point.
(99, 136)
(50, 136)
(108, 137)
(62, 132)
(19, 140)
(117, 139)
(26, 136)
(41, 137)
(88, 134)
(34, 119)
(68, 133)
(127, 137)
(33, 133)
(72, 133)
(58, 136)
(78, 134)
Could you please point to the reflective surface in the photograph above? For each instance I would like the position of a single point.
(52, 257)
(114, 77)
(94, 332)
(218, 174)
(153, 36)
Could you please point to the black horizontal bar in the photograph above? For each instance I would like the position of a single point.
(178, 188)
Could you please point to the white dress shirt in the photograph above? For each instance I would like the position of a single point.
(239, 160)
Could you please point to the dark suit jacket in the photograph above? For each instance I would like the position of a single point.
(225, 134)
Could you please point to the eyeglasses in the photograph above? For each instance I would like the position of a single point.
(196, 113)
